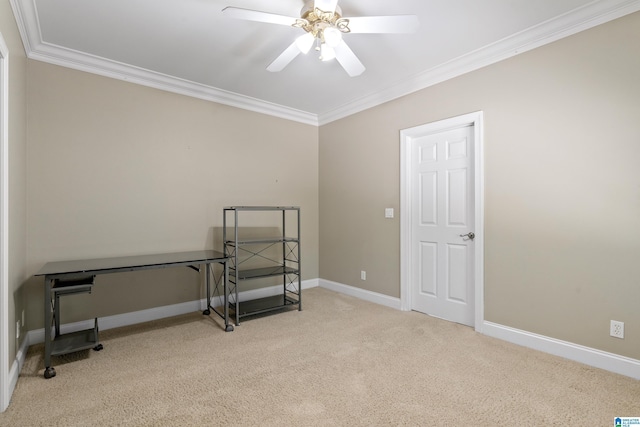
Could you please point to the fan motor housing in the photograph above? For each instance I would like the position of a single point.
(312, 14)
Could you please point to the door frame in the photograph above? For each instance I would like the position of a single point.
(5, 393)
(406, 198)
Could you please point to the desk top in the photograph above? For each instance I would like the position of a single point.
(130, 263)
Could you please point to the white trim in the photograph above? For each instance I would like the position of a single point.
(589, 356)
(36, 48)
(406, 191)
(5, 386)
(105, 67)
(362, 294)
(18, 363)
(270, 291)
(125, 319)
(156, 313)
(580, 19)
(310, 283)
(593, 14)
(578, 353)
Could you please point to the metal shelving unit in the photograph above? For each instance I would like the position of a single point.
(263, 259)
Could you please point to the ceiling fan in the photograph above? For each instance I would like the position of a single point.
(324, 26)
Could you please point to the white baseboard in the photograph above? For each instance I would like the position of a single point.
(589, 356)
(156, 313)
(126, 319)
(271, 291)
(18, 363)
(361, 293)
(312, 283)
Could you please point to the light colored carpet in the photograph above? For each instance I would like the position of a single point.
(339, 362)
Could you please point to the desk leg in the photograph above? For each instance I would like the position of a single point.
(225, 291)
(49, 372)
(207, 280)
(225, 314)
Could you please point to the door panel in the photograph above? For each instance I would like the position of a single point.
(428, 268)
(457, 269)
(457, 197)
(429, 199)
(442, 211)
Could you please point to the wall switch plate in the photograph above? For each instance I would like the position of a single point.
(363, 275)
(17, 329)
(388, 213)
(617, 329)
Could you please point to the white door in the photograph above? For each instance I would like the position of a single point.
(442, 219)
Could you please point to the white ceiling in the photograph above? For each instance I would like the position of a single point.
(190, 47)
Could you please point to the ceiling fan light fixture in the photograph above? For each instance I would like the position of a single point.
(324, 26)
(327, 53)
(332, 36)
(305, 42)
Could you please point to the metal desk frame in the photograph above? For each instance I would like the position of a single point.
(69, 270)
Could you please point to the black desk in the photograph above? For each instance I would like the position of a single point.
(81, 269)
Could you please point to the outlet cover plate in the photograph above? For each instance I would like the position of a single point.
(617, 329)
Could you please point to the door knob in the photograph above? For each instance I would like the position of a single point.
(471, 235)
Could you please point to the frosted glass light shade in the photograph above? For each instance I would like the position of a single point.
(305, 42)
(332, 36)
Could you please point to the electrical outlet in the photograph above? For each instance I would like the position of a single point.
(617, 329)
(363, 275)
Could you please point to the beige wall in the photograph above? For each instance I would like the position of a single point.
(562, 199)
(17, 169)
(116, 168)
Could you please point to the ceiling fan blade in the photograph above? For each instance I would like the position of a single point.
(255, 15)
(326, 5)
(348, 60)
(384, 24)
(284, 59)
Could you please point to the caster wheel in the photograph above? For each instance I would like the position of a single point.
(229, 328)
(98, 347)
(206, 312)
(49, 373)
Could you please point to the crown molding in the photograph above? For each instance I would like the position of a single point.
(35, 48)
(593, 14)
